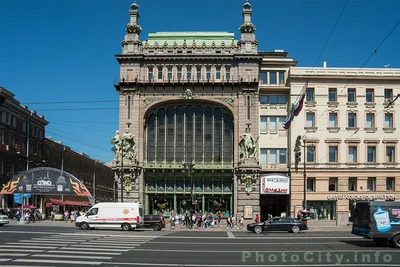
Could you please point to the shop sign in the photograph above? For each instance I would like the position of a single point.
(363, 197)
(275, 184)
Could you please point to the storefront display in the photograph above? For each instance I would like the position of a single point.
(322, 210)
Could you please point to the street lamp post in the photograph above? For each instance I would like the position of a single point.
(305, 173)
(190, 167)
(122, 171)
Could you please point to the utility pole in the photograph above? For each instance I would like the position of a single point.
(28, 126)
(94, 181)
(122, 171)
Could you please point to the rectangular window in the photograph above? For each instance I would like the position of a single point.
(282, 156)
(198, 72)
(351, 95)
(272, 123)
(333, 153)
(228, 73)
(263, 156)
(390, 154)
(352, 184)
(263, 100)
(281, 120)
(333, 120)
(179, 70)
(273, 99)
(352, 120)
(371, 154)
(273, 157)
(218, 73)
(282, 100)
(11, 141)
(388, 120)
(263, 77)
(310, 97)
(1, 116)
(369, 96)
(390, 183)
(311, 153)
(1, 137)
(310, 184)
(189, 73)
(1, 167)
(263, 123)
(332, 95)
(352, 154)
(388, 94)
(371, 184)
(160, 73)
(150, 76)
(272, 77)
(169, 73)
(310, 117)
(370, 120)
(281, 77)
(208, 73)
(333, 184)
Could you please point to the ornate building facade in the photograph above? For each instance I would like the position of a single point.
(188, 98)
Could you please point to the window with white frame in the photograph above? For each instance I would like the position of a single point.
(333, 153)
(310, 95)
(370, 120)
(332, 95)
(352, 156)
(333, 123)
(208, 73)
(281, 77)
(371, 184)
(263, 123)
(310, 184)
(351, 95)
(169, 69)
(310, 119)
(272, 77)
(150, 73)
(333, 184)
(310, 153)
(189, 73)
(369, 95)
(160, 73)
(390, 154)
(179, 73)
(272, 123)
(388, 95)
(273, 156)
(390, 183)
(352, 185)
(352, 120)
(228, 73)
(388, 120)
(263, 77)
(263, 100)
(218, 72)
(371, 154)
(198, 73)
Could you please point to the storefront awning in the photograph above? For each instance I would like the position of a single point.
(76, 203)
(57, 202)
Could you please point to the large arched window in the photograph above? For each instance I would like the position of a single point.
(190, 133)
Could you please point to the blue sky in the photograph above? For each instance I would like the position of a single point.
(63, 51)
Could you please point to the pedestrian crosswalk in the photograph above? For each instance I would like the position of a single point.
(68, 249)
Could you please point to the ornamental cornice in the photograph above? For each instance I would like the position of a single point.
(229, 100)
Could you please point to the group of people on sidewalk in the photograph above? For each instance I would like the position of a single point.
(29, 216)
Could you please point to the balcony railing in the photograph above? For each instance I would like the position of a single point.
(174, 80)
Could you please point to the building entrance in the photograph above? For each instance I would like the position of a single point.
(274, 205)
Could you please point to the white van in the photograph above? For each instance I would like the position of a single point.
(127, 216)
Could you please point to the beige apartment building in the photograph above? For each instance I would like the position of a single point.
(350, 132)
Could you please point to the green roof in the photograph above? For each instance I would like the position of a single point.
(198, 38)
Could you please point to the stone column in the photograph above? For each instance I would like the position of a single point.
(175, 204)
(203, 202)
(235, 195)
(146, 204)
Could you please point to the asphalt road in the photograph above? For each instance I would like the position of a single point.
(68, 246)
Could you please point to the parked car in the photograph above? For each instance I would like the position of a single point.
(156, 222)
(4, 219)
(278, 224)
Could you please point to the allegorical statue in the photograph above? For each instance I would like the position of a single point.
(124, 146)
(248, 145)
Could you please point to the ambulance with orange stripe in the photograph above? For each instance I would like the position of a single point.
(126, 216)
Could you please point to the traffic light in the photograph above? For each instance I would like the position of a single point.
(297, 152)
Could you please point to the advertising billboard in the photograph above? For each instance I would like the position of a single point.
(276, 184)
(45, 181)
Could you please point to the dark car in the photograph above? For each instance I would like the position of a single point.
(156, 222)
(278, 224)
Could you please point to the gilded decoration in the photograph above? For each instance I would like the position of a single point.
(229, 101)
(188, 94)
(147, 101)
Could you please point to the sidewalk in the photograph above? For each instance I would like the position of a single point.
(221, 228)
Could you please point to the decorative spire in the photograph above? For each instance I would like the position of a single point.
(132, 43)
(247, 5)
(134, 6)
(133, 26)
(247, 42)
(247, 26)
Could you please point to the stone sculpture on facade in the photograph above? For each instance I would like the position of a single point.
(248, 145)
(188, 94)
(125, 150)
(248, 184)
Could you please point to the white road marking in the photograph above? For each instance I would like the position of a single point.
(94, 249)
(58, 261)
(47, 242)
(4, 260)
(246, 243)
(13, 254)
(83, 252)
(260, 251)
(114, 242)
(69, 256)
(25, 250)
(58, 239)
(247, 265)
(102, 246)
(230, 235)
(29, 247)
(45, 245)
